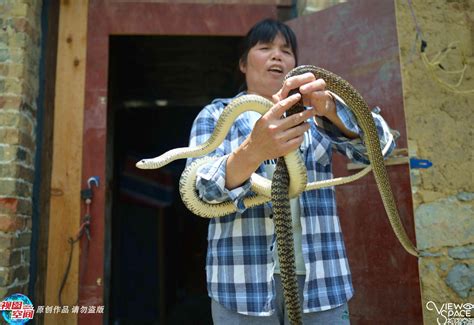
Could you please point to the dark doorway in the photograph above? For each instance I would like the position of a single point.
(156, 247)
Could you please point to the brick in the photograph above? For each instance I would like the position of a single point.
(22, 240)
(7, 291)
(6, 240)
(7, 187)
(4, 40)
(11, 223)
(19, 9)
(20, 39)
(15, 239)
(16, 55)
(10, 136)
(16, 70)
(14, 86)
(4, 67)
(15, 187)
(22, 25)
(16, 136)
(22, 272)
(9, 257)
(6, 276)
(16, 171)
(4, 55)
(10, 101)
(10, 206)
(7, 153)
(12, 153)
(25, 208)
(9, 118)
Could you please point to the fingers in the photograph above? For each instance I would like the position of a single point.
(306, 83)
(313, 92)
(295, 82)
(289, 133)
(297, 119)
(291, 145)
(316, 97)
(282, 106)
(315, 86)
(295, 132)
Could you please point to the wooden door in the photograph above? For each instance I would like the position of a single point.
(358, 41)
(107, 18)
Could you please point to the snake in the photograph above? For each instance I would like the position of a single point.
(290, 176)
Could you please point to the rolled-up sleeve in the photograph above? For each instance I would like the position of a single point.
(355, 149)
(210, 181)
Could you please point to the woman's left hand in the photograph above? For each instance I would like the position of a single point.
(313, 91)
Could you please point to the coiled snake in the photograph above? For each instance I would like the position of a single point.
(289, 178)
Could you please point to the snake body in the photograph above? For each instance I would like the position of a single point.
(289, 178)
(284, 229)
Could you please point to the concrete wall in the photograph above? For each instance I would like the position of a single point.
(19, 59)
(440, 128)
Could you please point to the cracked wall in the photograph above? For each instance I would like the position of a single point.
(440, 123)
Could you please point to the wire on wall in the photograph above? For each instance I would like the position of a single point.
(435, 66)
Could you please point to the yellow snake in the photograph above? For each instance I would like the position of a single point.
(289, 179)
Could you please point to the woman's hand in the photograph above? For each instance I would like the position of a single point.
(314, 93)
(271, 137)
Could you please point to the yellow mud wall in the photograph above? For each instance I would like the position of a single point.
(439, 111)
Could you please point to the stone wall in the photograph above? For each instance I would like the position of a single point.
(440, 129)
(19, 61)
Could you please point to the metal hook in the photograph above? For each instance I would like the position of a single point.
(93, 180)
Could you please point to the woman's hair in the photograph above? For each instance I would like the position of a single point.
(265, 31)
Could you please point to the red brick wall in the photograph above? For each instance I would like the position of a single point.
(19, 59)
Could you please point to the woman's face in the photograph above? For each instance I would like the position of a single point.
(266, 66)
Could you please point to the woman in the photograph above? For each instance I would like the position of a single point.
(242, 265)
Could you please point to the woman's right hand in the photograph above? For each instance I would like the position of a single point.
(271, 137)
(275, 136)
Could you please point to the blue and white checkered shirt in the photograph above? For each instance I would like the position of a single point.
(240, 263)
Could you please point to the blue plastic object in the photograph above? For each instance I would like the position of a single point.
(416, 163)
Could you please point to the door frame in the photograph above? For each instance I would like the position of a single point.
(131, 18)
(107, 18)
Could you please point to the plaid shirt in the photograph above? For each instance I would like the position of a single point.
(239, 264)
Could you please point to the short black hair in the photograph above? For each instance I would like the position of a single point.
(265, 31)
